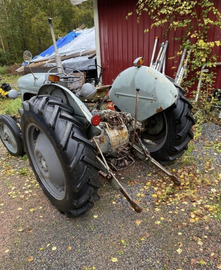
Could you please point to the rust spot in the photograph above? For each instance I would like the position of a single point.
(159, 109)
(101, 139)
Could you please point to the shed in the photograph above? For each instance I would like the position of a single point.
(119, 41)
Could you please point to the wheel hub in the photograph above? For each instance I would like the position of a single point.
(43, 163)
(8, 138)
(46, 162)
(155, 132)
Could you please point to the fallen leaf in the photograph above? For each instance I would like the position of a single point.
(200, 243)
(7, 250)
(54, 248)
(147, 234)
(138, 222)
(114, 259)
(95, 216)
(202, 262)
(179, 251)
(30, 259)
(69, 248)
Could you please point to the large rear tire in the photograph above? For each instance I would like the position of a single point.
(61, 156)
(168, 133)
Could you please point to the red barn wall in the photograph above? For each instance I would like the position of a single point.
(122, 41)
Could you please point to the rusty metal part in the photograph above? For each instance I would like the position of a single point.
(114, 119)
(104, 160)
(159, 110)
(120, 163)
(136, 114)
(112, 139)
(145, 151)
(115, 128)
(115, 183)
(117, 186)
(117, 137)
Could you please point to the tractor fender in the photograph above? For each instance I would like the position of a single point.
(156, 93)
(69, 98)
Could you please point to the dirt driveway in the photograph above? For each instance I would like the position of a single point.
(179, 228)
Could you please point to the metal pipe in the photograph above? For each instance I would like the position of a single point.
(146, 152)
(154, 51)
(57, 56)
(155, 64)
(200, 79)
(183, 69)
(181, 63)
(163, 55)
(136, 116)
(115, 183)
(164, 66)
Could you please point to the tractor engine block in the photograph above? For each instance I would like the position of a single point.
(116, 128)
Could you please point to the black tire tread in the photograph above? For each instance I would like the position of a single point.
(180, 122)
(73, 146)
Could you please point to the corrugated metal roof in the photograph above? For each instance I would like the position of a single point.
(122, 40)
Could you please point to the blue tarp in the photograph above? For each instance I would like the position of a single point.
(73, 43)
(60, 43)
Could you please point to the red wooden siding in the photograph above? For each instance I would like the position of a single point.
(122, 40)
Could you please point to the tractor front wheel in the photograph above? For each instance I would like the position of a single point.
(10, 135)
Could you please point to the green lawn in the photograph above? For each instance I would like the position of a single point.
(10, 106)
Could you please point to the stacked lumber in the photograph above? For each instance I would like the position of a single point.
(45, 61)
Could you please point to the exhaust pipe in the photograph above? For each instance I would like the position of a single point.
(57, 55)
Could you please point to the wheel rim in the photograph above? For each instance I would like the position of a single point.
(155, 132)
(8, 138)
(45, 161)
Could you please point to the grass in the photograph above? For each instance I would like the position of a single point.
(10, 106)
(3, 70)
(12, 80)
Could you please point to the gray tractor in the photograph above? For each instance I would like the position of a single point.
(70, 136)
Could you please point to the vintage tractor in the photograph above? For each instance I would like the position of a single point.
(70, 136)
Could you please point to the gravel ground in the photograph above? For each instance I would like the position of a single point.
(179, 227)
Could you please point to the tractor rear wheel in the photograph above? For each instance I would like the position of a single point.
(61, 156)
(168, 133)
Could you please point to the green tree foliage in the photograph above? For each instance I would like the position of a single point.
(195, 17)
(24, 24)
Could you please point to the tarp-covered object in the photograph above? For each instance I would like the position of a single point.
(60, 43)
(84, 41)
(74, 49)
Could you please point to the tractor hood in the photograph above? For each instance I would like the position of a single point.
(31, 84)
(156, 92)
